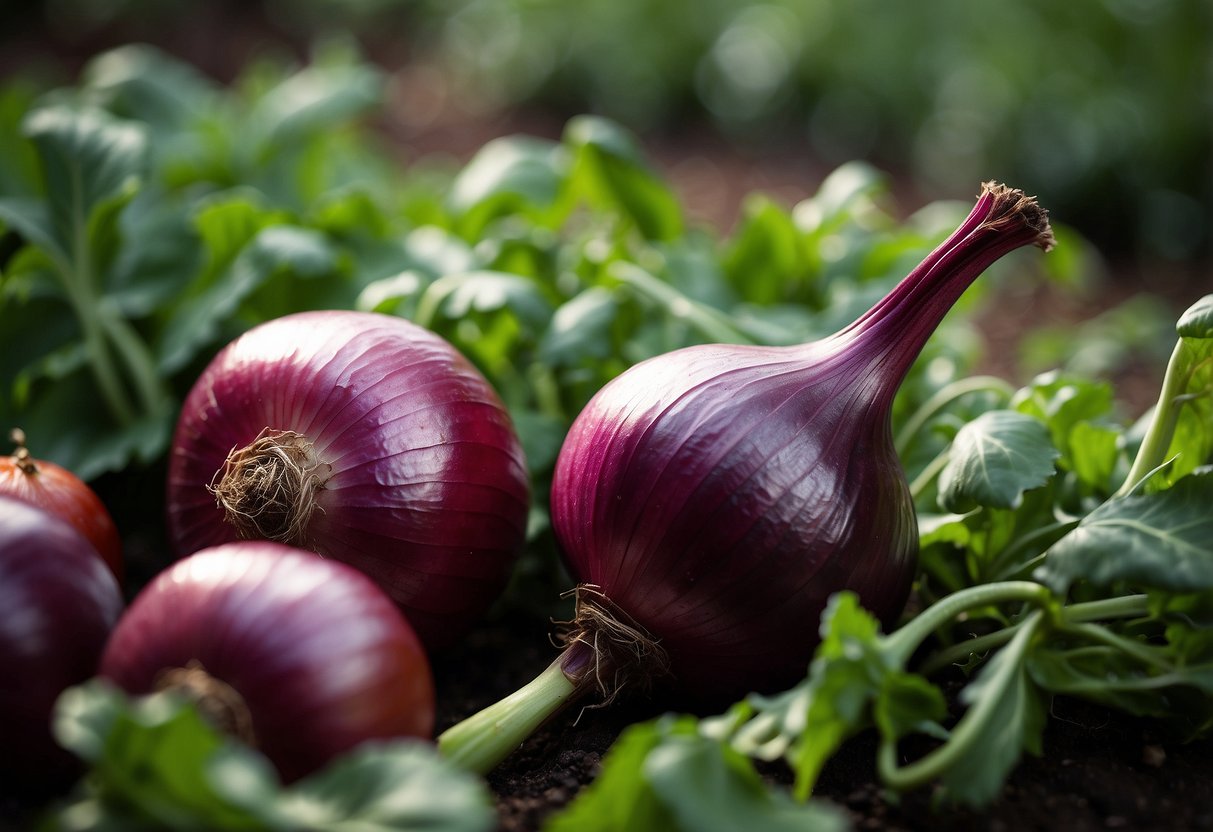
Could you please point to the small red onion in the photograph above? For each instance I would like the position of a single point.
(59, 603)
(59, 491)
(301, 657)
(367, 439)
(712, 499)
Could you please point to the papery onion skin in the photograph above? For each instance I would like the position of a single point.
(425, 486)
(58, 603)
(59, 491)
(718, 495)
(319, 655)
(712, 499)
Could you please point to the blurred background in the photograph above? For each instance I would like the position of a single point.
(1103, 108)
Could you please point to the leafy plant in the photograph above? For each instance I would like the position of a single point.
(156, 764)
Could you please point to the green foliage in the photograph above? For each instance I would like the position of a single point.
(156, 764)
(149, 216)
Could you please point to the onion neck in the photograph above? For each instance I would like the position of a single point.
(268, 489)
(216, 701)
(888, 338)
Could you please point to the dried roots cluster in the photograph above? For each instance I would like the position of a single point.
(622, 654)
(268, 488)
(216, 701)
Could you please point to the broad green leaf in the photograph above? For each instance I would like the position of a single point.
(994, 459)
(1095, 453)
(667, 775)
(1197, 320)
(513, 174)
(459, 295)
(1014, 724)
(765, 260)
(847, 193)
(609, 167)
(380, 787)
(89, 159)
(1115, 679)
(1162, 540)
(142, 82)
(1062, 401)
(197, 320)
(154, 763)
(845, 677)
(907, 704)
(709, 787)
(313, 99)
(580, 328)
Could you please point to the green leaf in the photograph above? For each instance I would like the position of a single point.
(580, 329)
(1162, 539)
(609, 168)
(766, 260)
(1014, 724)
(142, 82)
(994, 459)
(666, 775)
(89, 159)
(156, 764)
(1062, 402)
(313, 99)
(513, 174)
(197, 319)
(457, 296)
(383, 786)
(1197, 320)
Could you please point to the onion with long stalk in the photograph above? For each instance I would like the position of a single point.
(709, 501)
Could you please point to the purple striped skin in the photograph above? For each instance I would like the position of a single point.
(428, 489)
(59, 603)
(720, 494)
(321, 657)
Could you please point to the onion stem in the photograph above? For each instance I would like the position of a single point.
(484, 739)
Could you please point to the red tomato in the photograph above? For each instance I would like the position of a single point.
(58, 491)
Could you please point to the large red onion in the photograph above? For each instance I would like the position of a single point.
(59, 491)
(367, 439)
(58, 602)
(300, 656)
(712, 499)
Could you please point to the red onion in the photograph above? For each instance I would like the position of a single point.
(59, 602)
(712, 499)
(364, 438)
(299, 656)
(59, 491)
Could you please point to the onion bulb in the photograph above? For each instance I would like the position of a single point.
(709, 501)
(59, 603)
(367, 439)
(59, 491)
(301, 657)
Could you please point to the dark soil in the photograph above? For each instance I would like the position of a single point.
(1100, 770)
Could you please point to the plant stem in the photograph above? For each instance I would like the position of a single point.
(1157, 440)
(902, 643)
(1125, 606)
(484, 739)
(971, 725)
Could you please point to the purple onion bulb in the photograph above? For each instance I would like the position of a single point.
(367, 439)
